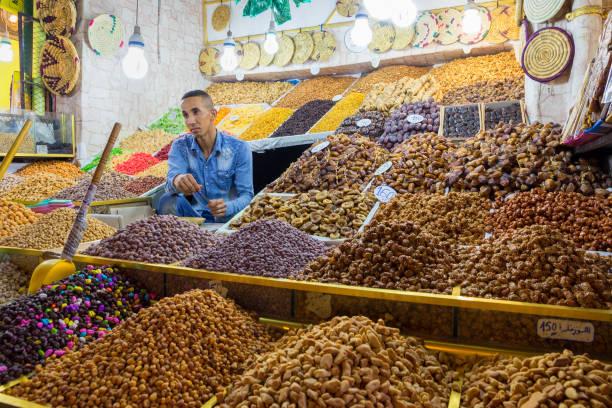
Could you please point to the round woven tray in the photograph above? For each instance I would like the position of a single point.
(503, 26)
(57, 17)
(324, 46)
(403, 37)
(265, 59)
(539, 11)
(209, 61)
(250, 56)
(286, 48)
(449, 26)
(548, 53)
(105, 34)
(347, 8)
(426, 30)
(485, 17)
(304, 46)
(60, 65)
(383, 36)
(220, 17)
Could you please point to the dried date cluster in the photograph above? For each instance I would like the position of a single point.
(561, 380)
(346, 362)
(535, 264)
(370, 124)
(348, 162)
(461, 121)
(408, 120)
(262, 248)
(304, 118)
(585, 220)
(388, 255)
(178, 352)
(161, 239)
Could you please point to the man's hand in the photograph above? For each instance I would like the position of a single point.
(186, 184)
(217, 207)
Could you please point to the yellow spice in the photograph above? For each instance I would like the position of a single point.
(342, 110)
(240, 119)
(266, 123)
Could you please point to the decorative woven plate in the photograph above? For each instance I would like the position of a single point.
(304, 46)
(426, 30)
(403, 37)
(485, 16)
(503, 27)
(324, 46)
(265, 59)
(449, 26)
(383, 36)
(57, 17)
(209, 61)
(60, 65)
(250, 57)
(220, 17)
(548, 53)
(539, 11)
(286, 48)
(105, 35)
(347, 8)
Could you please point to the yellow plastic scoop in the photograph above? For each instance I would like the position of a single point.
(10, 155)
(53, 270)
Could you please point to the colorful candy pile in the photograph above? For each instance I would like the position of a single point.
(63, 316)
(136, 163)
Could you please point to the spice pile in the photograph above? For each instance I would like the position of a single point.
(408, 120)
(79, 309)
(178, 352)
(138, 162)
(323, 87)
(13, 216)
(232, 93)
(110, 187)
(369, 124)
(141, 185)
(262, 248)
(387, 75)
(38, 187)
(266, 123)
(304, 118)
(62, 169)
(494, 90)
(341, 110)
(149, 141)
(161, 239)
(13, 283)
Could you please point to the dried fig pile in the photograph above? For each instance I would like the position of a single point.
(389, 255)
(409, 120)
(348, 162)
(370, 124)
(346, 362)
(561, 380)
(536, 264)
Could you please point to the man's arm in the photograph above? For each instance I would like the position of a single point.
(243, 179)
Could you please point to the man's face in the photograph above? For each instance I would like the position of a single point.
(198, 116)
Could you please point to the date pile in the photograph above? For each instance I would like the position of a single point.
(388, 255)
(535, 264)
(521, 157)
(178, 352)
(141, 185)
(304, 118)
(494, 90)
(348, 162)
(346, 362)
(370, 124)
(462, 121)
(163, 239)
(409, 120)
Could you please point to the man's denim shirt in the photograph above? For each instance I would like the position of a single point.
(226, 174)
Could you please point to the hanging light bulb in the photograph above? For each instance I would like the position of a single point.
(471, 22)
(315, 69)
(361, 33)
(404, 12)
(239, 76)
(6, 50)
(271, 41)
(375, 60)
(229, 59)
(134, 64)
(379, 9)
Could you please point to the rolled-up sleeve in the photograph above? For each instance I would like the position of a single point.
(177, 164)
(243, 181)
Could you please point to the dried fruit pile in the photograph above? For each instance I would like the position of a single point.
(341, 110)
(110, 187)
(388, 97)
(13, 216)
(62, 169)
(322, 87)
(493, 90)
(387, 75)
(136, 163)
(369, 124)
(38, 187)
(266, 123)
(13, 282)
(141, 185)
(304, 118)
(240, 119)
(149, 141)
(162, 154)
(9, 182)
(232, 93)
(158, 170)
(409, 120)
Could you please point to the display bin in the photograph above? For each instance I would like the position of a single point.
(444, 114)
(487, 107)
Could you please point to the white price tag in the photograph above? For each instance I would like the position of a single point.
(384, 193)
(383, 168)
(234, 117)
(488, 235)
(415, 118)
(337, 98)
(42, 149)
(566, 330)
(319, 147)
(446, 190)
(363, 123)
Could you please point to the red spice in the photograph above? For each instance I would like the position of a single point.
(136, 163)
(162, 154)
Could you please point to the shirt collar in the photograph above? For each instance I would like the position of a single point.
(216, 148)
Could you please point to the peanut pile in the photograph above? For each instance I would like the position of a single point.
(388, 255)
(149, 141)
(388, 97)
(9, 182)
(13, 216)
(387, 75)
(585, 220)
(341, 110)
(13, 281)
(266, 123)
(323, 87)
(62, 169)
(494, 90)
(38, 187)
(346, 362)
(232, 93)
(178, 352)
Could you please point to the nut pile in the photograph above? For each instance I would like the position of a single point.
(535, 264)
(461, 121)
(262, 248)
(522, 157)
(343, 109)
(369, 124)
(149, 141)
(62, 169)
(350, 362)
(323, 87)
(163, 239)
(554, 379)
(178, 352)
(13, 282)
(141, 185)
(387, 75)
(304, 118)
(420, 164)
(585, 220)
(266, 123)
(13, 216)
(28, 145)
(159, 170)
(408, 120)
(494, 90)
(240, 119)
(388, 255)
(9, 182)
(110, 187)
(38, 187)
(459, 217)
(388, 97)
(51, 231)
(63, 316)
(506, 114)
(137, 163)
(348, 162)
(232, 93)
(332, 214)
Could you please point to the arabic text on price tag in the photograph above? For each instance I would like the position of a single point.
(415, 118)
(384, 193)
(320, 147)
(566, 330)
(363, 123)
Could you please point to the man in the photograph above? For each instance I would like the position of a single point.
(210, 174)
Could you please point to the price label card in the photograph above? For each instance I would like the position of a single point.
(383, 168)
(566, 330)
(319, 147)
(384, 193)
(337, 98)
(234, 117)
(488, 235)
(415, 118)
(363, 123)
(42, 149)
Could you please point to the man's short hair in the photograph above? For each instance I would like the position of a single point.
(202, 94)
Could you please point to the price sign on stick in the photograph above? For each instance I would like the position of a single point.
(566, 330)
(319, 147)
(384, 193)
(383, 168)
